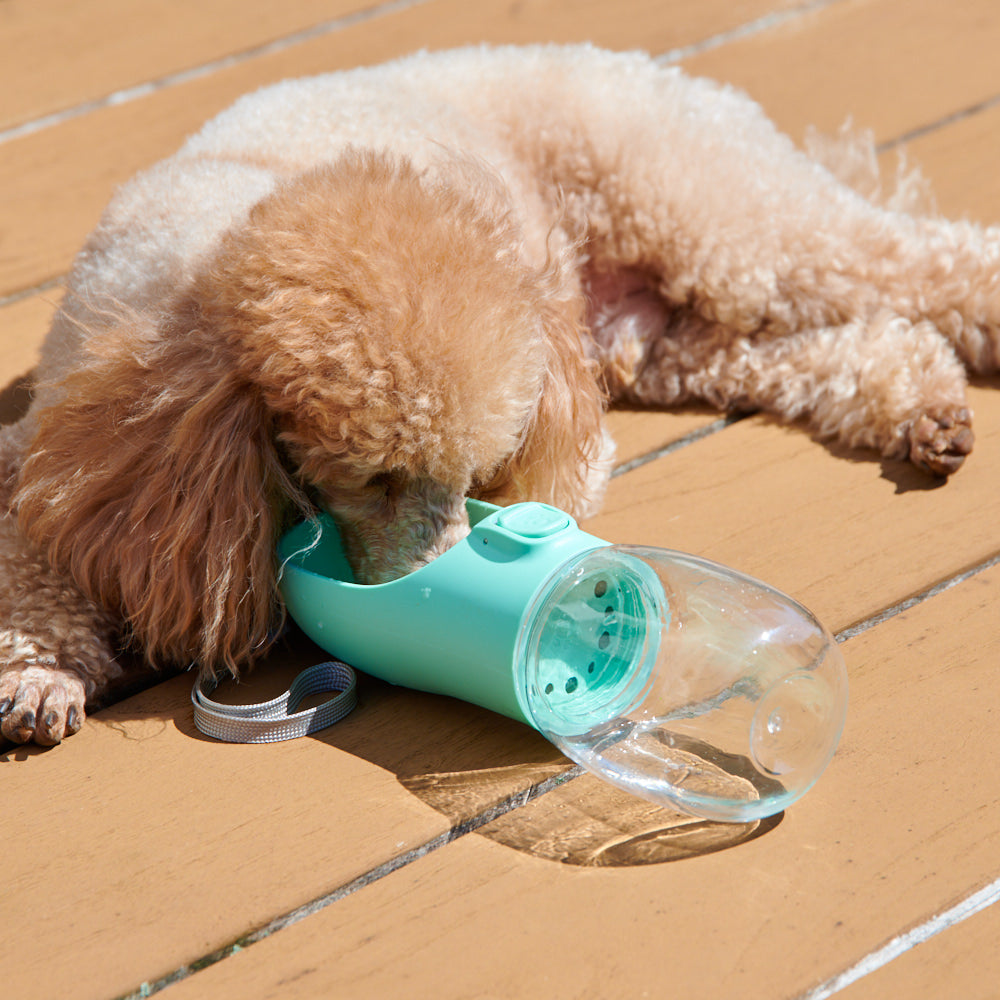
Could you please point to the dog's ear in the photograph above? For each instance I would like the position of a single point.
(154, 481)
(563, 458)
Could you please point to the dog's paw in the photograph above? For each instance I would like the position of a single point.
(940, 443)
(40, 703)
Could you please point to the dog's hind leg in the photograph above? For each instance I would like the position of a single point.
(884, 383)
(689, 182)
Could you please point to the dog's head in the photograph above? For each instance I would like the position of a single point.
(371, 340)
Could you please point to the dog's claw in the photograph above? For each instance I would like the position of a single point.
(23, 732)
(50, 731)
(940, 444)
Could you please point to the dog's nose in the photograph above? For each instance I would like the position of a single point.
(415, 523)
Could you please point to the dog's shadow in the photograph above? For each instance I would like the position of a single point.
(15, 398)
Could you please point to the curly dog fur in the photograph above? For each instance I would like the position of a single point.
(383, 290)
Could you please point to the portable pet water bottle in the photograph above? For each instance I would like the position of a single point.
(670, 676)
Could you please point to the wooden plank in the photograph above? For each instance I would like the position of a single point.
(641, 432)
(904, 819)
(954, 157)
(630, 24)
(57, 181)
(844, 533)
(962, 961)
(58, 53)
(23, 325)
(180, 842)
(870, 60)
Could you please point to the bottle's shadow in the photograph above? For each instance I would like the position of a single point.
(499, 777)
(590, 823)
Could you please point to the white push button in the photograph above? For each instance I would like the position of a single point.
(533, 520)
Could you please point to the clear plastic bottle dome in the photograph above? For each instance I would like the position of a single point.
(682, 681)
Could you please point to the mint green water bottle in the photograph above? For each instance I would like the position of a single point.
(670, 676)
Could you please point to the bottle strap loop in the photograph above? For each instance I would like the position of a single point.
(271, 721)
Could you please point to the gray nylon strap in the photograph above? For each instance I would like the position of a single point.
(271, 721)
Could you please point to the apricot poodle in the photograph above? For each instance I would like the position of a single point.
(381, 290)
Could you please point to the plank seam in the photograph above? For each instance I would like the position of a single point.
(27, 293)
(755, 27)
(910, 602)
(897, 946)
(682, 442)
(512, 802)
(139, 90)
(945, 121)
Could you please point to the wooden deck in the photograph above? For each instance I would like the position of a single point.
(422, 848)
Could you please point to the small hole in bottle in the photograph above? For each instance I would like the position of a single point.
(571, 685)
(590, 669)
(549, 689)
(605, 640)
(600, 588)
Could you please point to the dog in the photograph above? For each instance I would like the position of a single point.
(381, 291)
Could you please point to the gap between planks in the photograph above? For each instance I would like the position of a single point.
(902, 943)
(758, 25)
(894, 948)
(960, 115)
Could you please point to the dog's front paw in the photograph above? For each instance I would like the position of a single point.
(940, 443)
(40, 703)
